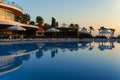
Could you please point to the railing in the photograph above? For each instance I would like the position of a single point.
(12, 4)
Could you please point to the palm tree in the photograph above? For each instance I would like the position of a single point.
(91, 29)
(102, 27)
(25, 18)
(76, 26)
(71, 25)
(18, 18)
(113, 31)
(84, 28)
(39, 20)
(32, 23)
(46, 26)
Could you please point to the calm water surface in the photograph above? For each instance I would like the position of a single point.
(60, 61)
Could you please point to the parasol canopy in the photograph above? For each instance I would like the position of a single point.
(104, 31)
(83, 31)
(16, 28)
(53, 30)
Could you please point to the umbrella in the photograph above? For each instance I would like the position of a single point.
(104, 31)
(16, 28)
(64, 26)
(53, 30)
(83, 31)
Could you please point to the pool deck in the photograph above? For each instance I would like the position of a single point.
(43, 40)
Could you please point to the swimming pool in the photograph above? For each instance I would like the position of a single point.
(60, 61)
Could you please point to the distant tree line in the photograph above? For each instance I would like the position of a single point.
(26, 19)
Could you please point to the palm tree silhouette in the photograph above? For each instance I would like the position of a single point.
(91, 29)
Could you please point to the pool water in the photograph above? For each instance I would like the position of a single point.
(60, 61)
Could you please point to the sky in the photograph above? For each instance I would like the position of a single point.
(86, 13)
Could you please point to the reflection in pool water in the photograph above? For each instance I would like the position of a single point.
(60, 61)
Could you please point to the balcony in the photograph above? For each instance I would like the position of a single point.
(12, 7)
(12, 4)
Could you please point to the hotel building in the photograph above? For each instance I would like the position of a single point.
(8, 11)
